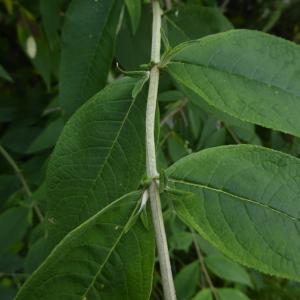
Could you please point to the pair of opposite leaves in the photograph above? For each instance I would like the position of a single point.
(243, 199)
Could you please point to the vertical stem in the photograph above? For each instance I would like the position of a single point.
(157, 217)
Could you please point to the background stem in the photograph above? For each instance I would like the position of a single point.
(157, 217)
(22, 179)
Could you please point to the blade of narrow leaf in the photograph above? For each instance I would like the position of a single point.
(87, 50)
(4, 74)
(244, 200)
(193, 22)
(98, 260)
(250, 75)
(99, 156)
(134, 8)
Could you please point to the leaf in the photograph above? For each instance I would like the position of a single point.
(134, 8)
(186, 280)
(48, 137)
(50, 13)
(19, 137)
(87, 50)
(4, 74)
(35, 256)
(204, 294)
(231, 294)
(193, 22)
(177, 147)
(133, 50)
(10, 262)
(227, 269)
(244, 200)
(223, 293)
(250, 75)
(97, 260)
(99, 156)
(7, 293)
(13, 226)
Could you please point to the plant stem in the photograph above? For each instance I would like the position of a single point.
(157, 216)
(22, 179)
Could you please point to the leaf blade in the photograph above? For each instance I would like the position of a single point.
(243, 73)
(235, 201)
(92, 265)
(88, 44)
(92, 161)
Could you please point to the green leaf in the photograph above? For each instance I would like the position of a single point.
(99, 156)
(204, 294)
(98, 260)
(231, 294)
(193, 22)
(227, 269)
(4, 74)
(13, 226)
(36, 254)
(50, 13)
(244, 200)
(250, 75)
(186, 280)
(133, 50)
(48, 137)
(223, 293)
(134, 8)
(87, 50)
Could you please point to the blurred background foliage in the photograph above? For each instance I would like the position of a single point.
(31, 120)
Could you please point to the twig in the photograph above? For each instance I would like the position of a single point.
(203, 267)
(22, 179)
(168, 4)
(224, 5)
(173, 112)
(232, 133)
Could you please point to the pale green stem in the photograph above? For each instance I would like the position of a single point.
(157, 216)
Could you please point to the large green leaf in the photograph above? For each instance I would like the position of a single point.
(99, 259)
(87, 50)
(193, 22)
(245, 201)
(99, 156)
(250, 75)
